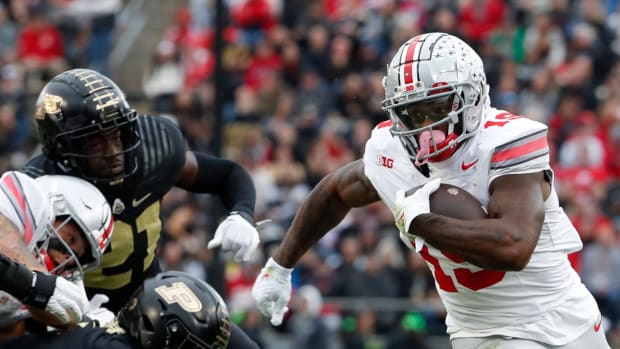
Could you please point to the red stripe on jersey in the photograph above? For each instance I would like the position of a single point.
(408, 69)
(19, 196)
(386, 123)
(521, 150)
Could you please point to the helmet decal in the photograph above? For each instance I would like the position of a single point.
(179, 293)
(49, 106)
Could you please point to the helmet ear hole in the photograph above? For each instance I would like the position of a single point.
(479, 97)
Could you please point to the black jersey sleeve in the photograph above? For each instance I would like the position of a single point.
(84, 338)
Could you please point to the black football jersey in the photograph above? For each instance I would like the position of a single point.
(135, 204)
(88, 337)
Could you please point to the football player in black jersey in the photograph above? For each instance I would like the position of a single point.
(171, 310)
(87, 129)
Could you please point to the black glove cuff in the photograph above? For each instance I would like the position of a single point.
(245, 216)
(41, 291)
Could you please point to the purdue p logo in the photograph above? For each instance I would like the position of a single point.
(49, 105)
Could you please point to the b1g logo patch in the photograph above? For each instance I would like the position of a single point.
(385, 161)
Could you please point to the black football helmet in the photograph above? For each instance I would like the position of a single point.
(174, 310)
(79, 103)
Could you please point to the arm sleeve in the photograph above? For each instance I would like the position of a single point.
(240, 339)
(227, 179)
(15, 278)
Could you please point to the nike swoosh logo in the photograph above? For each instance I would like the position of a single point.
(597, 326)
(466, 167)
(136, 203)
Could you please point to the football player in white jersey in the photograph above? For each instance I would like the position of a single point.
(54, 225)
(505, 281)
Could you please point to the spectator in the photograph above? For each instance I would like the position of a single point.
(98, 21)
(41, 47)
(8, 30)
(583, 148)
(544, 43)
(600, 263)
(164, 77)
(306, 324)
(410, 334)
(479, 18)
(254, 17)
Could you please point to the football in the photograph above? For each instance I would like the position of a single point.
(452, 201)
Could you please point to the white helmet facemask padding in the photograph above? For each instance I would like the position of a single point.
(428, 67)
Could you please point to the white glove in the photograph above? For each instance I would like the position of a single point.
(272, 291)
(97, 312)
(409, 207)
(68, 302)
(237, 235)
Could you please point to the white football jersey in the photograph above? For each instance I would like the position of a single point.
(546, 301)
(27, 207)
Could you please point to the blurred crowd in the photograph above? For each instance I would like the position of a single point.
(302, 93)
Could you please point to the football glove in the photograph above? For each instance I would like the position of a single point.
(68, 302)
(272, 291)
(409, 207)
(235, 234)
(96, 312)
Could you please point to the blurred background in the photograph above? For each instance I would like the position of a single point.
(297, 95)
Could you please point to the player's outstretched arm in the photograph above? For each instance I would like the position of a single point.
(325, 207)
(51, 300)
(232, 183)
(504, 241)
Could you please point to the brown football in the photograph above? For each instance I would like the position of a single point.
(452, 201)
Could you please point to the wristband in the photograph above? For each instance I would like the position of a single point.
(15, 278)
(244, 215)
(42, 289)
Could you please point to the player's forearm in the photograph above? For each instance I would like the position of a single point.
(33, 289)
(487, 243)
(13, 246)
(321, 211)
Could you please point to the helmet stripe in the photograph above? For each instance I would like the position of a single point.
(18, 197)
(410, 62)
(106, 233)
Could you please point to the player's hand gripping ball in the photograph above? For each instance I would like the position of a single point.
(444, 199)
